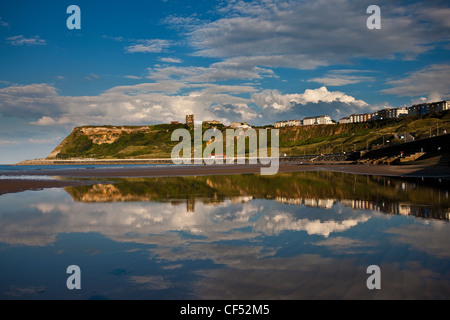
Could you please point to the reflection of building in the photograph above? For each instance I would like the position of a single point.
(400, 208)
(190, 204)
(190, 119)
(241, 199)
(316, 203)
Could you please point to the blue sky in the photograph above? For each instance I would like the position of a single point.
(146, 62)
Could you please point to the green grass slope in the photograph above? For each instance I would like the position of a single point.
(126, 142)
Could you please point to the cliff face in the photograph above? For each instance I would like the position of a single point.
(98, 135)
(111, 142)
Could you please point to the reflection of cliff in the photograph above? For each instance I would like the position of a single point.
(109, 193)
(307, 188)
(171, 189)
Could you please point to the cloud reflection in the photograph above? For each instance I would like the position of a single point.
(146, 222)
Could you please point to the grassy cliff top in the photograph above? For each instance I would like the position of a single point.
(154, 141)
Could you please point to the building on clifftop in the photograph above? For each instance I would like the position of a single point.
(190, 119)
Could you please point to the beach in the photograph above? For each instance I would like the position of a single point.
(69, 177)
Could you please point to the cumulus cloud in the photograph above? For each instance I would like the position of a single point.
(170, 100)
(277, 101)
(433, 80)
(49, 121)
(22, 41)
(147, 103)
(277, 106)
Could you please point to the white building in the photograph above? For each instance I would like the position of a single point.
(324, 120)
(288, 123)
(345, 120)
(309, 121)
(401, 112)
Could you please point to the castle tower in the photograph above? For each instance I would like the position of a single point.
(190, 119)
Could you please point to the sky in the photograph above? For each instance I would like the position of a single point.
(142, 62)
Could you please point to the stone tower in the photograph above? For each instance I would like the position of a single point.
(190, 119)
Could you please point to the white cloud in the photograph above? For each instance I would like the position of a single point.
(171, 60)
(285, 221)
(49, 121)
(341, 78)
(146, 103)
(3, 23)
(160, 102)
(433, 80)
(148, 46)
(92, 77)
(276, 106)
(133, 77)
(28, 91)
(8, 142)
(22, 41)
(273, 99)
(307, 34)
(45, 141)
(220, 71)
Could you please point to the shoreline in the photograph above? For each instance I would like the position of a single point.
(23, 184)
(195, 169)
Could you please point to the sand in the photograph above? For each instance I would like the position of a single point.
(17, 185)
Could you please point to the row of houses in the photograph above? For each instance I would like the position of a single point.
(309, 121)
(387, 113)
(393, 113)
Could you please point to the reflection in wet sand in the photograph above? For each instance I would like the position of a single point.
(293, 236)
(427, 199)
